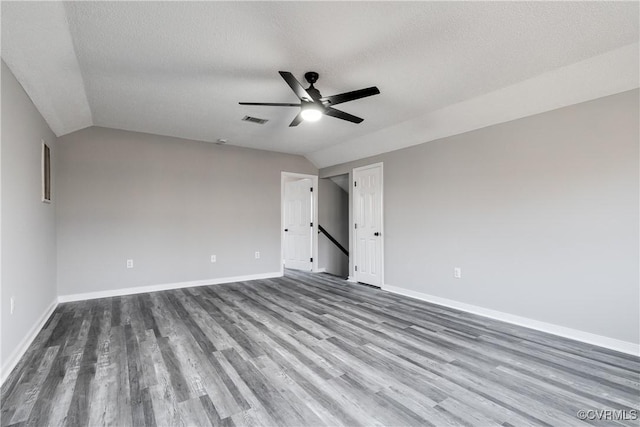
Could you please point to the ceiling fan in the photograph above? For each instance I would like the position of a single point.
(312, 105)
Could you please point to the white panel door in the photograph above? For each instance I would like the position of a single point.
(367, 201)
(298, 218)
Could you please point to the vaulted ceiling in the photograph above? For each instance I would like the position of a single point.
(180, 68)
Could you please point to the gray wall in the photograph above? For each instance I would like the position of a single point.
(28, 225)
(333, 215)
(168, 204)
(540, 213)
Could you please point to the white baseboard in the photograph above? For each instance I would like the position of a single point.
(574, 334)
(164, 287)
(353, 280)
(320, 270)
(17, 354)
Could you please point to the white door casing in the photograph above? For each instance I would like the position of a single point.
(298, 224)
(368, 224)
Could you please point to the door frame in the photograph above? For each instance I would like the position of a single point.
(352, 221)
(285, 176)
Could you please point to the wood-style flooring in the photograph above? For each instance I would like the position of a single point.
(306, 350)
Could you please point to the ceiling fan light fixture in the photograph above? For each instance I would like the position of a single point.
(311, 113)
(313, 105)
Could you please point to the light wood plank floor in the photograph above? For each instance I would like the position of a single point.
(305, 350)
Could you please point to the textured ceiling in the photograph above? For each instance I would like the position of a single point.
(180, 68)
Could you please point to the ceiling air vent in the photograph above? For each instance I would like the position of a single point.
(254, 120)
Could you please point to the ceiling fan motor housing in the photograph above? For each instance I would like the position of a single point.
(312, 77)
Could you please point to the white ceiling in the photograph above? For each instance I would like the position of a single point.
(180, 68)
(341, 181)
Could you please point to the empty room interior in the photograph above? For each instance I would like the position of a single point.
(320, 213)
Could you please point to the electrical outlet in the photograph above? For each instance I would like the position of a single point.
(129, 263)
(457, 272)
(257, 255)
(213, 258)
(13, 304)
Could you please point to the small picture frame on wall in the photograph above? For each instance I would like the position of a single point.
(46, 173)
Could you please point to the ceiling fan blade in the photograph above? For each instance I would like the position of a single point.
(297, 120)
(342, 115)
(271, 104)
(296, 86)
(350, 96)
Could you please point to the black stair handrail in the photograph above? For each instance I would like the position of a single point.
(334, 241)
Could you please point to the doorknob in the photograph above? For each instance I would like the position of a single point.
(286, 229)
(376, 234)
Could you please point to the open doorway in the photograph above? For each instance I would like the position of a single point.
(363, 217)
(333, 225)
(299, 227)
